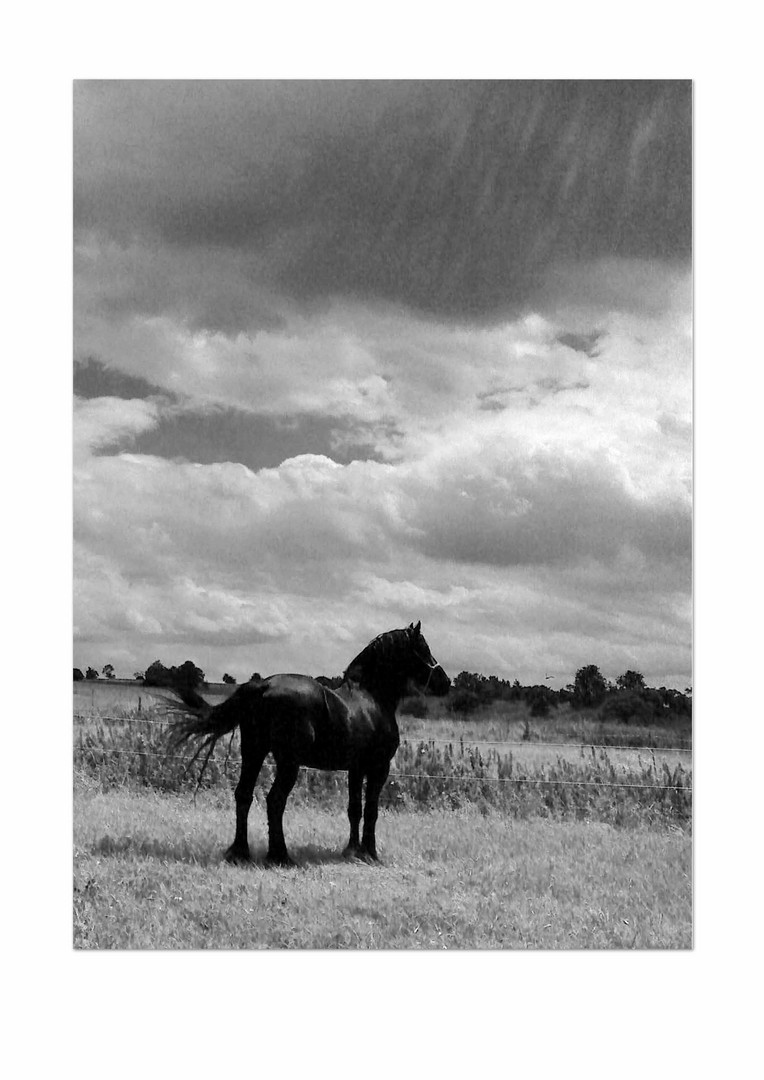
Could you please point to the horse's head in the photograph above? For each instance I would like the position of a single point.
(396, 658)
(425, 669)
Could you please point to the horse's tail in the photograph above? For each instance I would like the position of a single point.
(196, 720)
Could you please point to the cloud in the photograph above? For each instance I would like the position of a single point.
(380, 382)
(585, 343)
(218, 434)
(92, 379)
(106, 420)
(579, 473)
(220, 290)
(636, 286)
(479, 536)
(454, 198)
(548, 508)
(355, 353)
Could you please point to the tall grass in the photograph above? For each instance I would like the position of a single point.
(589, 785)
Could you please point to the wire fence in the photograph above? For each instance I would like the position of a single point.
(395, 774)
(469, 751)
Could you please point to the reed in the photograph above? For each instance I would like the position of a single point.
(589, 784)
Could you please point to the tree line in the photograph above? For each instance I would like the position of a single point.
(628, 699)
(186, 675)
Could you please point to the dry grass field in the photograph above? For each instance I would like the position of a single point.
(522, 843)
(149, 875)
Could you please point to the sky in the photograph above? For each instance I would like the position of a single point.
(350, 355)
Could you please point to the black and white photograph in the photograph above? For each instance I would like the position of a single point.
(382, 514)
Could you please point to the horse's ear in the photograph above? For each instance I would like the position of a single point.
(418, 627)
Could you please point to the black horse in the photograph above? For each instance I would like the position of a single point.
(303, 722)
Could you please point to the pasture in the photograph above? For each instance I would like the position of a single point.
(149, 875)
(494, 833)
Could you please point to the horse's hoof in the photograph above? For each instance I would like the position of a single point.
(237, 856)
(352, 851)
(367, 856)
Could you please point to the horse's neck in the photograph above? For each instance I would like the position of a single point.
(386, 696)
(365, 669)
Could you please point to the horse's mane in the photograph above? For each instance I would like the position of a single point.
(380, 652)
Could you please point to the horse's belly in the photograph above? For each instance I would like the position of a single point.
(325, 755)
(325, 758)
(307, 745)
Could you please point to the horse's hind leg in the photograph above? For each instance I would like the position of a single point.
(252, 757)
(375, 781)
(355, 784)
(286, 775)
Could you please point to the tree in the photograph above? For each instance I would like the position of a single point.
(188, 675)
(157, 674)
(631, 680)
(78, 676)
(108, 671)
(139, 676)
(228, 678)
(590, 688)
(91, 673)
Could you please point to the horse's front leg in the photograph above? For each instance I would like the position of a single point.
(375, 781)
(355, 784)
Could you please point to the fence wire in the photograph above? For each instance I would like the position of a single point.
(394, 775)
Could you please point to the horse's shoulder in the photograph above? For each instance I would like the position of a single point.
(337, 703)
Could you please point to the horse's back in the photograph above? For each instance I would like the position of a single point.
(302, 727)
(317, 726)
(295, 687)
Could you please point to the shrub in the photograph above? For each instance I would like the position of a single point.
(463, 701)
(414, 706)
(628, 707)
(541, 699)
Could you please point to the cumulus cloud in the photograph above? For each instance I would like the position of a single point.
(315, 540)
(383, 379)
(105, 420)
(545, 508)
